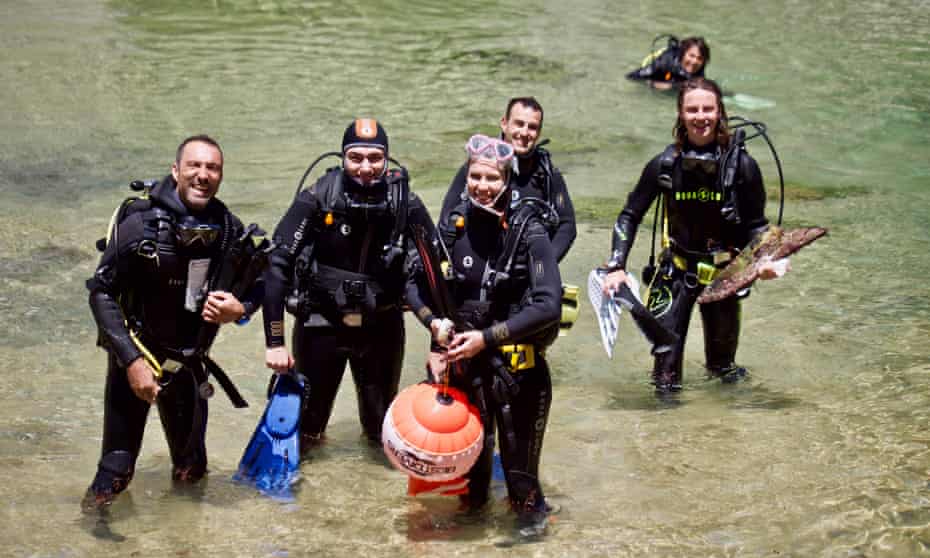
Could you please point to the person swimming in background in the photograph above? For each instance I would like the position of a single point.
(678, 62)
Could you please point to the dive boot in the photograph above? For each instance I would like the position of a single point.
(666, 382)
(528, 501)
(728, 374)
(113, 475)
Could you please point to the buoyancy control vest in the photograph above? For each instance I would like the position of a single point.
(662, 64)
(151, 219)
(505, 279)
(355, 261)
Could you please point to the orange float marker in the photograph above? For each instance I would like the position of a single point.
(455, 487)
(432, 433)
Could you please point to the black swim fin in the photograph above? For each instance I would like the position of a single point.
(662, 338)
(272, 458)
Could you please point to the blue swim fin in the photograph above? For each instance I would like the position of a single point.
(271, 459)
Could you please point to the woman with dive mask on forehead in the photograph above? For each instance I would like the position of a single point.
(505, 287)
(706, 215)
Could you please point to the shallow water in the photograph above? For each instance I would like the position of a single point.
(823, 452)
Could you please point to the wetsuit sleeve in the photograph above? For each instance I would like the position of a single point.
(292, 234)
(112, 278)
(637, 203)
(417, 294)
(454, 195)
(751, 200)
(566, 232)
(253, 299)
(543, 303)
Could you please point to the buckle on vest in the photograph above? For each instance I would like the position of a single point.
(706, 273)
(148, 249)
(354, 290)
(171, 366)
(519, 357)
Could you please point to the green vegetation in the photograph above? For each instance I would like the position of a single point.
(804, 192)
(597, 210)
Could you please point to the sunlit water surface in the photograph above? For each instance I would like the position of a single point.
(823, 452)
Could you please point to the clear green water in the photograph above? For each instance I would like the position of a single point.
(823, 453)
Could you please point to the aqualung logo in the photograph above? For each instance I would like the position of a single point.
(417, 464)
(701, 195)
(660, 300)
(298, 236)
(540, 425)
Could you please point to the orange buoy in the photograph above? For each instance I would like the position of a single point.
(432, 436)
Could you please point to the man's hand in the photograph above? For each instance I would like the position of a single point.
(142, 380)
(279, 359)
(222, 307)
(465, 345)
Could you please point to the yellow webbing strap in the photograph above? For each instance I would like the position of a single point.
(519, 357)
(652, 56)
(147, 355)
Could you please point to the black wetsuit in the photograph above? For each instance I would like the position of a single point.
(665, 68)
(523, 309)
(145, 285)
(349, 306)
(699, 237)
(541, 180)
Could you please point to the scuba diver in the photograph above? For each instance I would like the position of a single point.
(504, 285)
(533, 176)
(340, 268)
(674, 64)
(157, 315)
(712, 202)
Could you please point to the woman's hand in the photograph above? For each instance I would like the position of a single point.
(279, 359)
(442, 330)
(613, 280)
(437, 366)
(465, 345)
(222, 307)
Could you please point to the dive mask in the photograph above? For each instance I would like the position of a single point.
(703, 160)
(484, 147)
(191, 231)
